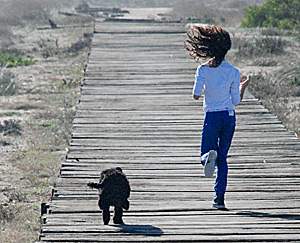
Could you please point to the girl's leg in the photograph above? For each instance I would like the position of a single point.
(225, 138)
(210, 133)
(221, 178)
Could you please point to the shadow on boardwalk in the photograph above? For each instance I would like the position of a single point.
(140, 229)
(268, 215)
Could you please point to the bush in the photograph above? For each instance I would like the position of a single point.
(260, 46)
(280, 93)
(277, 32)
(284, 83)
(8, 60)
(7, 84)
(10, 127)
(265, 62)
(6, 213)
(295, 81)
(274, 13)
(18, 12)
(290, 76)
(6, 37)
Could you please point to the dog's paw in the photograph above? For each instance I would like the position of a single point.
(126, 205)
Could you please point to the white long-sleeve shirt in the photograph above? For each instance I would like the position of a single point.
(221, 86)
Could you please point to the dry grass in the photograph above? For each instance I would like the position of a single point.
(38, 105)
(10, 127)
(35, 155)
(26, 230)
(259, 46)
(275, 65)
(7, 83)
(32, 12)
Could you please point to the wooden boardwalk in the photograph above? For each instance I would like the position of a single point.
(136, 111)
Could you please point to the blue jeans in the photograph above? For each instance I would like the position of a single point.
(217, 133)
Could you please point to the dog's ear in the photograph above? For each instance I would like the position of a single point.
(119, 169)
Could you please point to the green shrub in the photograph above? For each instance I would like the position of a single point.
(9, 60)
(281, 14)
(295, 81)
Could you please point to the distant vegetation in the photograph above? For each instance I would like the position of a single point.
(281, 14)
(224, 13)
(35, 12)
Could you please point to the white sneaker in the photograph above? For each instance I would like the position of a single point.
(209, 167)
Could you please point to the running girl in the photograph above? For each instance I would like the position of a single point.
(222, 91)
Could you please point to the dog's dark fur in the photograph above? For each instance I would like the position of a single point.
(114, 190)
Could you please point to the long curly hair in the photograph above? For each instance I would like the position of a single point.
(208, 42)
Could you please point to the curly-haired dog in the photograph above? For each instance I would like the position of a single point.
(114, 190)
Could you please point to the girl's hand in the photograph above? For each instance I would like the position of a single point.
(243, 86)
(245, 83)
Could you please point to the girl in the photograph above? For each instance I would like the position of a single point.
(222, 91)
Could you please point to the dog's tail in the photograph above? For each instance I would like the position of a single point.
(94, 185)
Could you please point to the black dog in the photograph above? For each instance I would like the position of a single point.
(114, 190)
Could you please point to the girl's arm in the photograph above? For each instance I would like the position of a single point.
(199, 83)
(243, 86)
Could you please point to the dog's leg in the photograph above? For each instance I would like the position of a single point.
(118, 214)
(106, 215)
